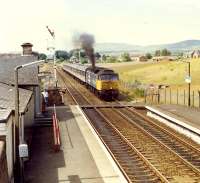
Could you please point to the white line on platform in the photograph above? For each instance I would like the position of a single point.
(178, 125)
(181, 123)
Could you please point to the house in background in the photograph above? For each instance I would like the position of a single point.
(193, 54)
(196, 54)
(139, 58)
(164, 58)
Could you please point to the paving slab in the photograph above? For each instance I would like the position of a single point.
(82, 158)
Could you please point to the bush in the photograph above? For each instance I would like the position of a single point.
(131, 93)
(139, 92)
(42, 56)
(148, 56)
(125, 57)
(61, 54)
(84, 61)
(111, 59)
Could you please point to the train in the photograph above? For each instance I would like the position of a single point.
(101, 81)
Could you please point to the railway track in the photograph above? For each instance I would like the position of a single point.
(144, 151)
(68, 98)
(77, 91)
(186, 150)
(135, 166)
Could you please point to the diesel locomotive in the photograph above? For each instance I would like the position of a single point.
(102, 81)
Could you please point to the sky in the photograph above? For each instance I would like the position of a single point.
(138, 22)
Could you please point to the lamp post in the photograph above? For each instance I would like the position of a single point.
(18, 130)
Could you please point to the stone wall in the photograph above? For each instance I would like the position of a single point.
(3, 164)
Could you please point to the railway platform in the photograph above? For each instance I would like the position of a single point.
(82, 158)
(186, 117)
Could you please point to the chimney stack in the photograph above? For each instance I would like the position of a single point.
(27, 48)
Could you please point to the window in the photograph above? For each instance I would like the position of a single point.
(111, 77)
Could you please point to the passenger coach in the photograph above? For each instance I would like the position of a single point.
(102, 81)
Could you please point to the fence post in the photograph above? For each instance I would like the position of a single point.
(177, 97)
(199, 97)
(193, 98)
(158, 96)
(145, 96)
(170, 96)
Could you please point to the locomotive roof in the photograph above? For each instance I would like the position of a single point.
(77, 66)
(100, 70)
(97, 70)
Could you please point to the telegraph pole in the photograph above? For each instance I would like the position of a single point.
(189, 83)
(188, 80)
(52, 33)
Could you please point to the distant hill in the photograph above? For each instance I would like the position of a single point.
(179, 46)
(186, 45)
(115, 47)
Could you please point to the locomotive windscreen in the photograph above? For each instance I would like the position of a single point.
(111, 77)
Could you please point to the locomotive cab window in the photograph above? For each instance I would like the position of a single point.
(109, 77)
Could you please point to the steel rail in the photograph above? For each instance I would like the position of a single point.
(152, 168)
(164, 130)
(197, 171)
(66, 87)
(75, 100)
(157, 173)
(118, 164)
(112, 154)
(155, 139)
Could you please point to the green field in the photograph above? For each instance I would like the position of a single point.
(165, 72)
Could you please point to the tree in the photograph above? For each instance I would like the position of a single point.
(148, 56)
(61, 54)
(157, 53)
(82, 54)
(125, 57)
(111, 59)
(77, 53)
(165, 52)
(180, 55)
(84, 61)
(42, 56)
(74, 52)
(103, 57)
(97, 55)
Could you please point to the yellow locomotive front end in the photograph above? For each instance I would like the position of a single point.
(107, 85)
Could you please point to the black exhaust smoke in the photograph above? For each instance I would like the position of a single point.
(86, 42)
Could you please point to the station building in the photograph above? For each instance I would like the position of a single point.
(29, 103)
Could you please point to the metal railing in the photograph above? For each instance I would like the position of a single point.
(173, 96)
(56, 131)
